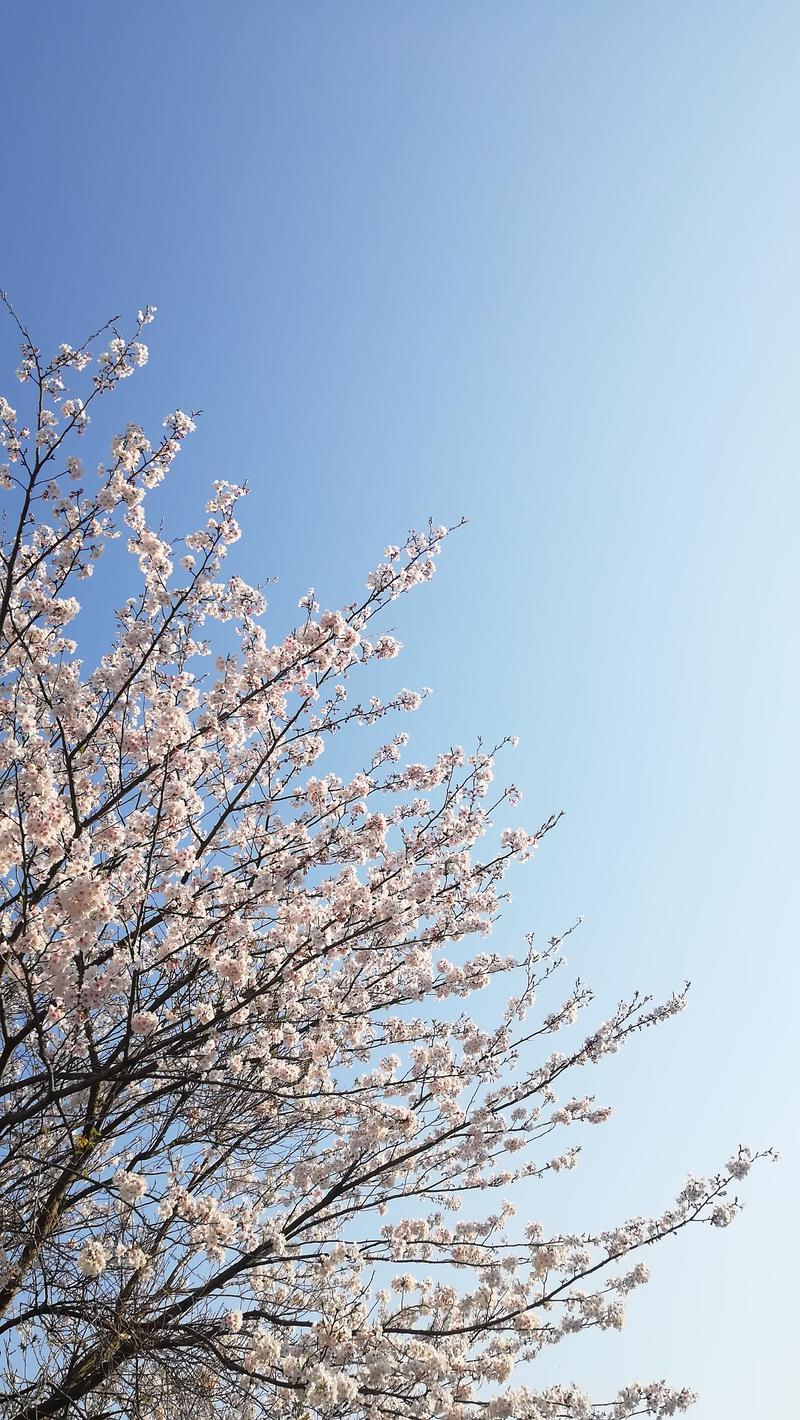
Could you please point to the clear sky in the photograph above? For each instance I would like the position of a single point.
(536, 263)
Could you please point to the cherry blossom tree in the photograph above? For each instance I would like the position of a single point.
(256, 1155)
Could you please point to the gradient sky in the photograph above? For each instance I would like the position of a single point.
(536, 263)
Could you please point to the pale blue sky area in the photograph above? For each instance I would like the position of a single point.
(536, 263)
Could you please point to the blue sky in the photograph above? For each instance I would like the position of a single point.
(535, 263)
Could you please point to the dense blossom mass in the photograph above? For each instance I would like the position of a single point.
(257, 1156)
